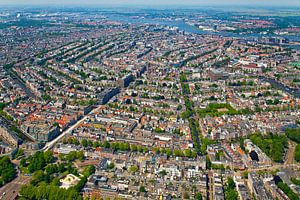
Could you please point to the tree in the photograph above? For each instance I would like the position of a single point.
(139, 148)
(89, 170)
(162, 150)
(186, 195)
(156, 150)
(178, 153)
(208, 162)
(19, 153)
(39, 160)
(163, 173)
(145, 149)
(37, 177)
(295, 181)
(297, 153)
(188, 153)
(169, 152)
(288, 191)
(133, 147)
(111, 165)
(96, 144)
(64, 141)
(293, 134)
(271, 144)
(51, 169)
(55, 181)
(198, 196)
(46, 191)
(7, 170)
(48, 156)
(23, 162)
(133, 169)
(142, 189)
(229, 190)
(71, 156)
(84, 143)
(80, 155)
(106, 145)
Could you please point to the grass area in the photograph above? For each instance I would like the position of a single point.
(217, 109)
(272, 145)
(288, 191)
(297, 153)
(293, 134)
(295, 181)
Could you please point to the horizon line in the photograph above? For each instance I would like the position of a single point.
(118, 5)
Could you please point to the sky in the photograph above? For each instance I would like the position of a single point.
(153, 2)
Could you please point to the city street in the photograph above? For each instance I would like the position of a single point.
(10, 190)
(290, 153)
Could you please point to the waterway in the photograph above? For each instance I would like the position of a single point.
(273, 82)
(182, 26)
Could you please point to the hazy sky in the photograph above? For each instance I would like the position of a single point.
(151, 2)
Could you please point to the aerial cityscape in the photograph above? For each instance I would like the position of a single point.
(149, 102)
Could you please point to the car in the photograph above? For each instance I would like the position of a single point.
(27, 174)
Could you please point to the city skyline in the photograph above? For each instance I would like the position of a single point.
(121, 100)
